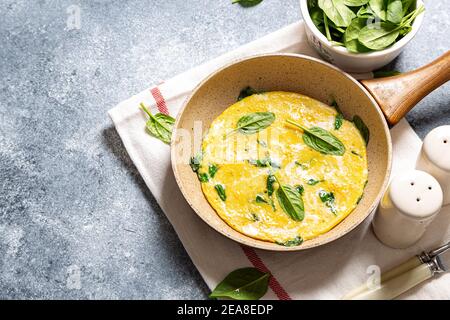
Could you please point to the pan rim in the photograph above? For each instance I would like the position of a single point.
(261, 244)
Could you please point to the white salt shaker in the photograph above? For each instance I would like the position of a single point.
(409, 205)
(434, 158)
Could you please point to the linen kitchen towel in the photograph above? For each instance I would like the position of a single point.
(327, 272)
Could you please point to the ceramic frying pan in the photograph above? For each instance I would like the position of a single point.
(379, 102)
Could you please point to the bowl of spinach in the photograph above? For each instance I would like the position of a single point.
(361, 35)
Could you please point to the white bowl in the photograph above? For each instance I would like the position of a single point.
(355, 62)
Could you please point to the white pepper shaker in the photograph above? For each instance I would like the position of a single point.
(409, 205)
(434, 158)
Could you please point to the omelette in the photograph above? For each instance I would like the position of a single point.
(282, 167)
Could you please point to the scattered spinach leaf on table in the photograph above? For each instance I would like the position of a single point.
(247, 3)
(243, 284)
(388, 73)
(159, 125)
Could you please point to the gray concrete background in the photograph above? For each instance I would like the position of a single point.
(76, 220)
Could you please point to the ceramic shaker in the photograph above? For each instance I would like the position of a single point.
(434, 158)
(409, 205)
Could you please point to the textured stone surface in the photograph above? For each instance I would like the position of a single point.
(76, 220)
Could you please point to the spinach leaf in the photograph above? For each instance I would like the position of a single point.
(262, 163)
(290, 201)
(327, 29)
(361, 126)
(243, 284)
(302, 165)
(335, 105)
(246, 92)
(356, 153)
(406, 5)
(337, 12)
(365, 12)
(316, 15)
(291, 243)
(380, 37)
(321, 140)
(351, 36)
(247, 3)
(360, 198)
(382, 74)
(394, 11)
(203, 176)
(379, 7)
(344, 22)
(212, 170)
(260, 199)
(261, 143)
(300, 189)
(265, 162)
(362, 194)
(195, 162)
(312, 182)
(221, 191)
(270, 182)
(159, 125)
(272, 204)
(409, 18)
(338, 121)
(328, 199)
(254, 122)
(355, 3)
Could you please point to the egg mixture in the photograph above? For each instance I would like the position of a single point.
(237, 166)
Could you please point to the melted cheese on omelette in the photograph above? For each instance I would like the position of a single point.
(235, 155)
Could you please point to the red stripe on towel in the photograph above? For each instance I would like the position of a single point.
(259, 264)
(249, 252)
(160, 102)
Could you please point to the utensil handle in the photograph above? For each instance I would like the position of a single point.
(386, 276)
(398, 94)
(398, 285)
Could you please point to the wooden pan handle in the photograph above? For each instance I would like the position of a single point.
(399, 94)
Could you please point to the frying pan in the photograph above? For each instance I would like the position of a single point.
(379, 102)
